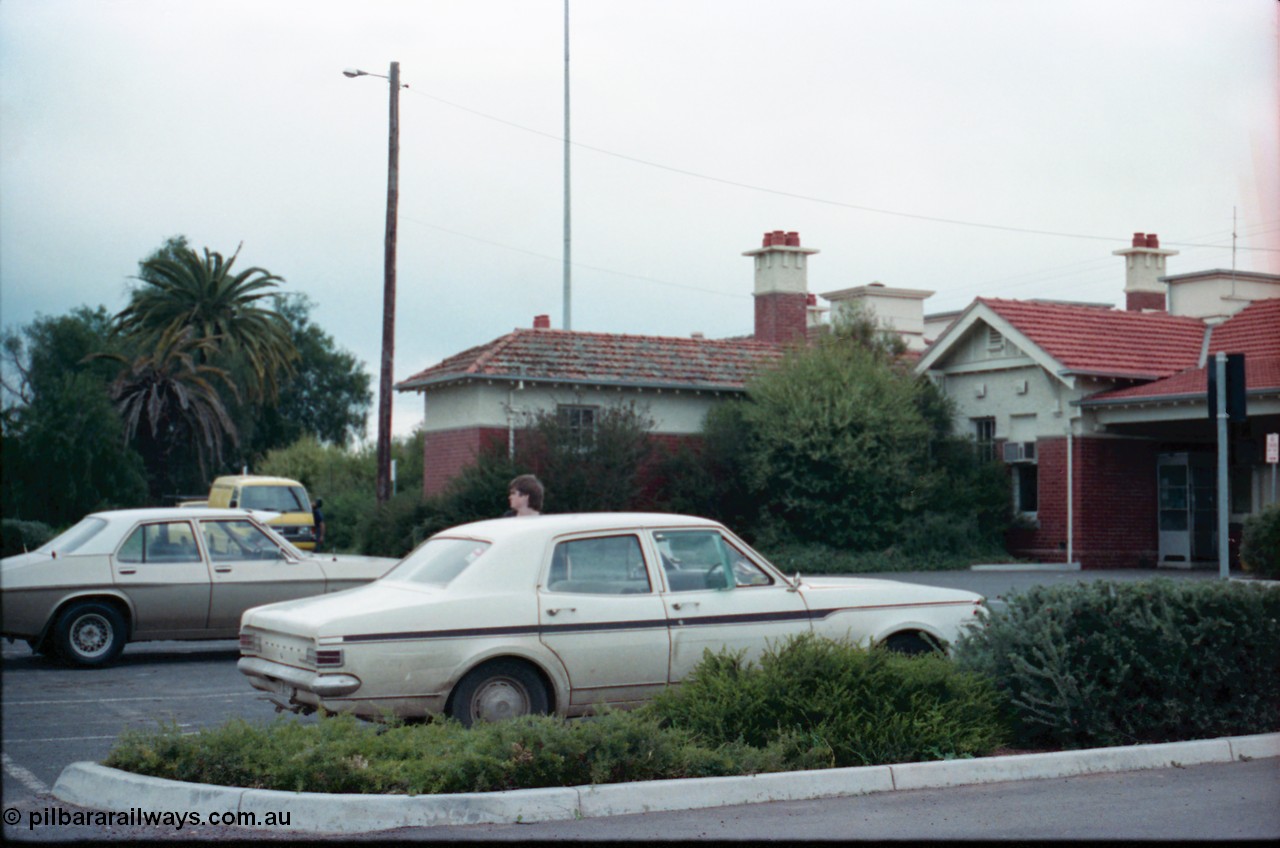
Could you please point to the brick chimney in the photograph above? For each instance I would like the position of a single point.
(1143, 268)
(542, 322)
(782, 287)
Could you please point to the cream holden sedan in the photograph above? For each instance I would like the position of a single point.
(171, 573)
(561, 613)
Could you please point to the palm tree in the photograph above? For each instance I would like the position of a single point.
(181, 289)
(173, 393)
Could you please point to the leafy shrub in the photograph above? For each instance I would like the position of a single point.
(1260, 544)
(1120, 663)
(821, 559)
(809, 704)
(846, 705)
(20, 536)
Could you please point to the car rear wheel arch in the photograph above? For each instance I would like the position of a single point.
(913, 642)
(519, 670)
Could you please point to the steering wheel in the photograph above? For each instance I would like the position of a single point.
(716, 577)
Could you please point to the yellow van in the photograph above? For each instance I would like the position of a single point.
(287, 497)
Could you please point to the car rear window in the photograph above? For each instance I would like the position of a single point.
(438, 561)
(71, 540)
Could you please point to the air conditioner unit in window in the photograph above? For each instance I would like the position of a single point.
(1019, 451)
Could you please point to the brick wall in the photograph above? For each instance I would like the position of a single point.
(781, 317)
(1115, 505)
(447, 452)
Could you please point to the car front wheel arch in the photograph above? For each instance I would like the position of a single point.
(500, 688)
(88, 631)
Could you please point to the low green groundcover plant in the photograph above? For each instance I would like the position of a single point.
(1109, 663)
(807, 704)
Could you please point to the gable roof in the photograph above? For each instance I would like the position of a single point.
(565, 356)
(1106, 342)
(1253, 331)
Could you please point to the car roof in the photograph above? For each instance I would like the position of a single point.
(254, 480)
(175, 513)
(544, 526)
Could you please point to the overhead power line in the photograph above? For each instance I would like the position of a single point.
(797, 196)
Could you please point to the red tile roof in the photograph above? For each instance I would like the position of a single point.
(1106, 342)
(1253, 331)
(604, 359)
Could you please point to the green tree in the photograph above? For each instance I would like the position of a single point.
(838, 445)
(62, 451)
(63, 455)
(172, 393)
(181, 289)
(328, 397)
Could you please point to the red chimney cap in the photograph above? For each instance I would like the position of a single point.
(1139, 239)
(1153, 240)
(542, 322)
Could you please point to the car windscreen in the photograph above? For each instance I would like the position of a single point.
(438, 561)
(275, 498)
(71, 540)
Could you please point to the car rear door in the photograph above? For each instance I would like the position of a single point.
(600, 612)
(248, 568)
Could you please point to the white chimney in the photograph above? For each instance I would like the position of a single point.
(1144, 266)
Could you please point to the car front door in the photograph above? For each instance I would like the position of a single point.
(600, 612)
(249, 569)
(716, 598)
(160, 568)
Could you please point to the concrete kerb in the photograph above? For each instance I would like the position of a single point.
(98, 787)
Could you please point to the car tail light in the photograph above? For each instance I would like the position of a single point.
(250, 642)
(324, 657)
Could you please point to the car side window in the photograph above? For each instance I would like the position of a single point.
(170, 541)
(238, 540)
(606, 565)
(695, 560)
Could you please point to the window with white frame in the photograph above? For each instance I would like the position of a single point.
(578, 424)
(1026, 488)
(984, 436)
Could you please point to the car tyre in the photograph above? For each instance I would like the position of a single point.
(498, 690)
(89, 634)
(911, 643)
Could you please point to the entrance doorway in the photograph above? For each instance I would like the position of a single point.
(1187, 486)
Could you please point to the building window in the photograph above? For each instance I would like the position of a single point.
(578, 424)
(984, 435)
(1026, 488)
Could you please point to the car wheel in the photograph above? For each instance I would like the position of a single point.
(89, 634)
(498, 690)
(910, 643)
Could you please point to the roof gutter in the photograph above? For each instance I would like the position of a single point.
(424, 385)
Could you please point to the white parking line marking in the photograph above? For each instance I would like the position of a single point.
(23, 776)
(248, 694)
(78, 738)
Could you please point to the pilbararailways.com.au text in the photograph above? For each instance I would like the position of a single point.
(138, 817)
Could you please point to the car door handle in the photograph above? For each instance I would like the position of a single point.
(561, 609)
(128, 571)
(678, 605)
(222, 569)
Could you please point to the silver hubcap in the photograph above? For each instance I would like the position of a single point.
(499, 698)
(90, 635)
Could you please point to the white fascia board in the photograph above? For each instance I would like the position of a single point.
(979, 312)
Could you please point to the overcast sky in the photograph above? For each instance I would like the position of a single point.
(985, 147)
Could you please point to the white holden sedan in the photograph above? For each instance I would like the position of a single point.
(165, 573)
(561, 613)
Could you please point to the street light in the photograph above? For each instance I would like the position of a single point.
(389, 286)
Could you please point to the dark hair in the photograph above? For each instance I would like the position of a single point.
(527, 484)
